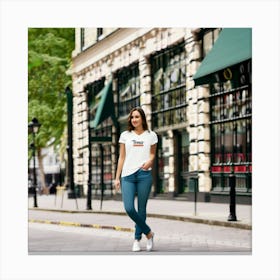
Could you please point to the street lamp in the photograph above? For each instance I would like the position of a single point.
(34, 126)
(89, 190)
(70, 179)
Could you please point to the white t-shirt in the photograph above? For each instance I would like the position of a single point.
(137, 149)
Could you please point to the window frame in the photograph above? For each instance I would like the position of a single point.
(169, 100)
(231, 131)
(128, 89)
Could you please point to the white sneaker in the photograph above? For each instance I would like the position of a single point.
(150, 243)
(136, 246)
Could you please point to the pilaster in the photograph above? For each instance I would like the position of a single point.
(145, 87)
(198, 117)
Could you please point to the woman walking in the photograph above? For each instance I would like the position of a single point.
(137, 153)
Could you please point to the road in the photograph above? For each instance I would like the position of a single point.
(171, 237)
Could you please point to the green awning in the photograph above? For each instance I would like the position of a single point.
(105, 107)
(233, 46)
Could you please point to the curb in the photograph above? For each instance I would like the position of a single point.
(160, 216)
(73, 224)
(203, 221)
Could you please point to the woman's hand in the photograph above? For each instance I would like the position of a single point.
(117, 184)
(147, 165)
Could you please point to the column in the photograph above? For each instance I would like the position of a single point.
(198, 116)
(145, 87)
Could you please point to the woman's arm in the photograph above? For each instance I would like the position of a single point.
(120, 166)
(149, 163)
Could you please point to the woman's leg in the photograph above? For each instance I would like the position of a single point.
(128, 195)
(144, 184)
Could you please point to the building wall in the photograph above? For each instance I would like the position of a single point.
(119, 48)
(90, 37)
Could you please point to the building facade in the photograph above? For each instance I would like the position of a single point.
(202, 117)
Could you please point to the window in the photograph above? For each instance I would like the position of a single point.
(181, 155)
(128, 89)
(107, 168)
(231, 130)
(162, 164)
(104, 129)
(82, 38)
(169, 86)
(94, 89)
(99, 33)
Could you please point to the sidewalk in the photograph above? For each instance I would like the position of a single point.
(207, 213)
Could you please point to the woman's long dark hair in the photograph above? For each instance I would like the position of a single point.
(143, 117)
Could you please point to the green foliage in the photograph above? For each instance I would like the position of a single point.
(49, 57)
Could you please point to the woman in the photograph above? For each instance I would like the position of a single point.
(137, 153)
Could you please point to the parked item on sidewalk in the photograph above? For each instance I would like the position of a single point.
(52, 188)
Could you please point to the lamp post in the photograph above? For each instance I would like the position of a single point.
(89, 190)
(69, 95)
(70, 179)
(34, 126)
(232, 194)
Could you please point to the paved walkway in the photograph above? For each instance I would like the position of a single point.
(204, 212)
(90, 233)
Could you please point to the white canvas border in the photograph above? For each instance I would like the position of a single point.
(17, 16)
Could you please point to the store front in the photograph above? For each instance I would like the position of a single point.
(100, 104)
(169, 119)
(227, 71)
(195, 87)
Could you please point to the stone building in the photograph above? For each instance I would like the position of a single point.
(195, 88)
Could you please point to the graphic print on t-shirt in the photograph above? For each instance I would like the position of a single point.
(138, 143)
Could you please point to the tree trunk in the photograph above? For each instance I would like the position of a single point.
(45, 189)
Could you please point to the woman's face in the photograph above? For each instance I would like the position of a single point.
(136, 119)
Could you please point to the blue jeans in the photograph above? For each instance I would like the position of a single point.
(139, 183)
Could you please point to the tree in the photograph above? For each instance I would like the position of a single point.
(49, 57)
